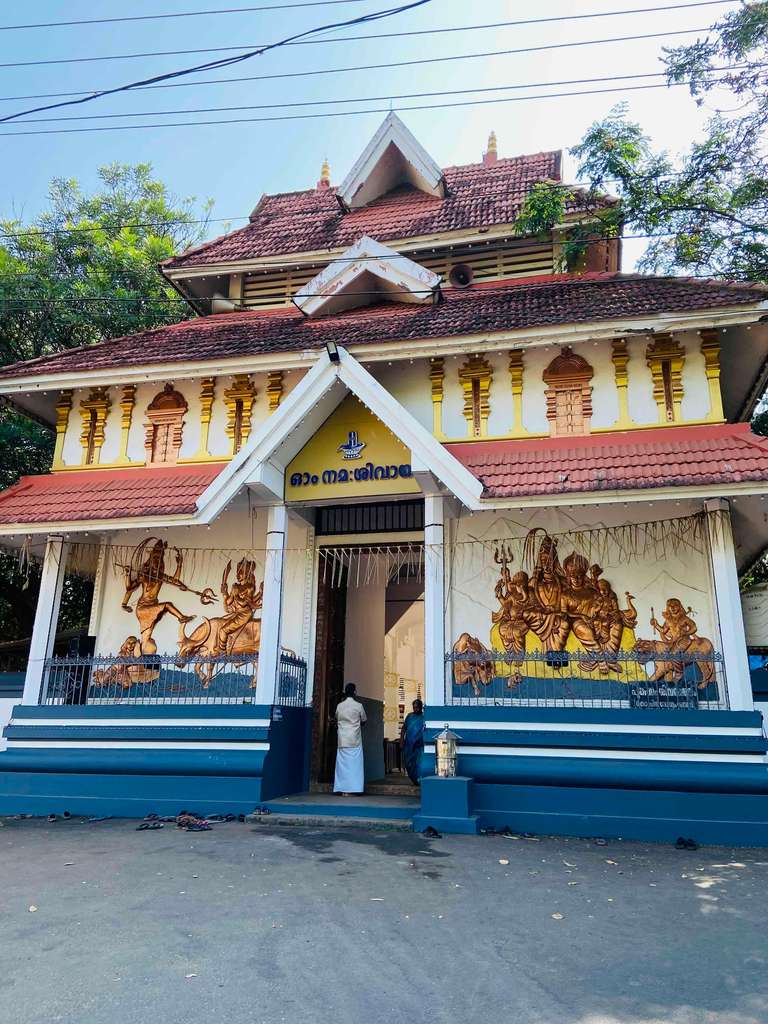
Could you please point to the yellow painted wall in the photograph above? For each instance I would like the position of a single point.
(381, 469)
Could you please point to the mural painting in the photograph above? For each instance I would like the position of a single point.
(217, 645)
(564, 621)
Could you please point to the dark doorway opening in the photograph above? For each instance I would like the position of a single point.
(329, 672)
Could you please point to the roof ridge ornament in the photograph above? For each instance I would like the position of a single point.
(392, 157)
(365, 272)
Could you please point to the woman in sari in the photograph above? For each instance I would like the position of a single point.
(412, 740)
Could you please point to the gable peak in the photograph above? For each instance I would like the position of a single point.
(393, 157)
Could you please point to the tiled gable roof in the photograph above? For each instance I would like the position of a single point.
(630, 460)
(293, 222)
(483, 309)
(627, 460)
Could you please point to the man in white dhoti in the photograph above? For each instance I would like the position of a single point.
(350, 715)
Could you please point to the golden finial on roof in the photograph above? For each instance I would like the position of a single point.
(490, 156)
(325, 175)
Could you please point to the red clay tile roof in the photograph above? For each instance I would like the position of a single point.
(482, 309)
(293, 222)
(105, 494)
(664, 457)
(627, 460)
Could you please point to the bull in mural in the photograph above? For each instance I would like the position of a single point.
(472, 663)
(234, 636)
(678, 648)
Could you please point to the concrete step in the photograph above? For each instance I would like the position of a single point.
(329, 821)
(326, 805)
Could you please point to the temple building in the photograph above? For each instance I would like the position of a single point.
(399, 444)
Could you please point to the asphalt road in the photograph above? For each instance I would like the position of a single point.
(249, 924)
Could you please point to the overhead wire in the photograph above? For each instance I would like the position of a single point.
(295, 41)
(303, 74)
(327, 3)
(363, 19)
(339, 113)
(369, 99)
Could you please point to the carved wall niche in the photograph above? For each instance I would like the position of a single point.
(569, 394)
(164, 426)
(475, 377)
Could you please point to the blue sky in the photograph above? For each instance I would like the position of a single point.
(234, 164)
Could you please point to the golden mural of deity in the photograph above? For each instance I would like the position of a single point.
(232, 638)
(558, 602)
(569, 607)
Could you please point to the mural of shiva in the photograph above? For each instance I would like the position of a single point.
(569, 607)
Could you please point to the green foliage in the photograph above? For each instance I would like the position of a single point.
(60, 288)
(711, 203)
(86, 269)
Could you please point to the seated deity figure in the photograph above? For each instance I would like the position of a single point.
(515, 597)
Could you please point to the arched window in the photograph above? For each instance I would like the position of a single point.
(163, 429)
(569, 394)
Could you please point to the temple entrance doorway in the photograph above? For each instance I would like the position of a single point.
(370, 632)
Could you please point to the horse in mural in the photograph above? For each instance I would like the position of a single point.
(468, 667)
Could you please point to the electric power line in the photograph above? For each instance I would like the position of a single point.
(367, 99)
(291, 74)
(188, 14)
(228, 61)
(341, 113)
(326, 3)
(295, 41)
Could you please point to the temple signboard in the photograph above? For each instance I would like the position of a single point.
(352, 455)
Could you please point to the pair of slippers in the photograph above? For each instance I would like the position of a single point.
(686, 844)
(147, 826)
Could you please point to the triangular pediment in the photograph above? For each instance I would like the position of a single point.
(393, 157)
(366, 272)
(262, 463)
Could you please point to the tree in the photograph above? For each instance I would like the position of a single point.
(84, 270)
(709, 207)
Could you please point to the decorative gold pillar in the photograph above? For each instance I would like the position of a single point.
(475, 377)
(710, 349)
(127, 403)
(665, 357)
(516, 362)
(94, 411)
(274, 389)
(63, 409)
(437, 380)
(620, 360)
(207, 395)
(239, 398)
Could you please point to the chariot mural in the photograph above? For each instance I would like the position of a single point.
(562, 620)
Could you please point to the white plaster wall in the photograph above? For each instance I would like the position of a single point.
(642, 406)
(472, 574)
(296, 629)
(454, 424)
(535, 362)
(500, 418)
(364, 638)
(605, 397)
(409, 383)
(72, 452)
(696, 403)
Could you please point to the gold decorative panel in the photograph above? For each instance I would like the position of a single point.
(710, 349)
(239, 398)
(94, 411)
(475, 377)
(569, 394)
(665, 357)
(437, 381)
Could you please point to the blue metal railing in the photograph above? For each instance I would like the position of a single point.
(658, 680)
(167, 679)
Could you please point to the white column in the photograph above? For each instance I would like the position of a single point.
(434, 601)
(728, 606)
(46, 617)
(272, 606)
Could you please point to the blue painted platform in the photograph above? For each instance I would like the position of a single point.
(313, 805)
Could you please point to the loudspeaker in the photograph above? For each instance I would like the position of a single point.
(461, 275)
